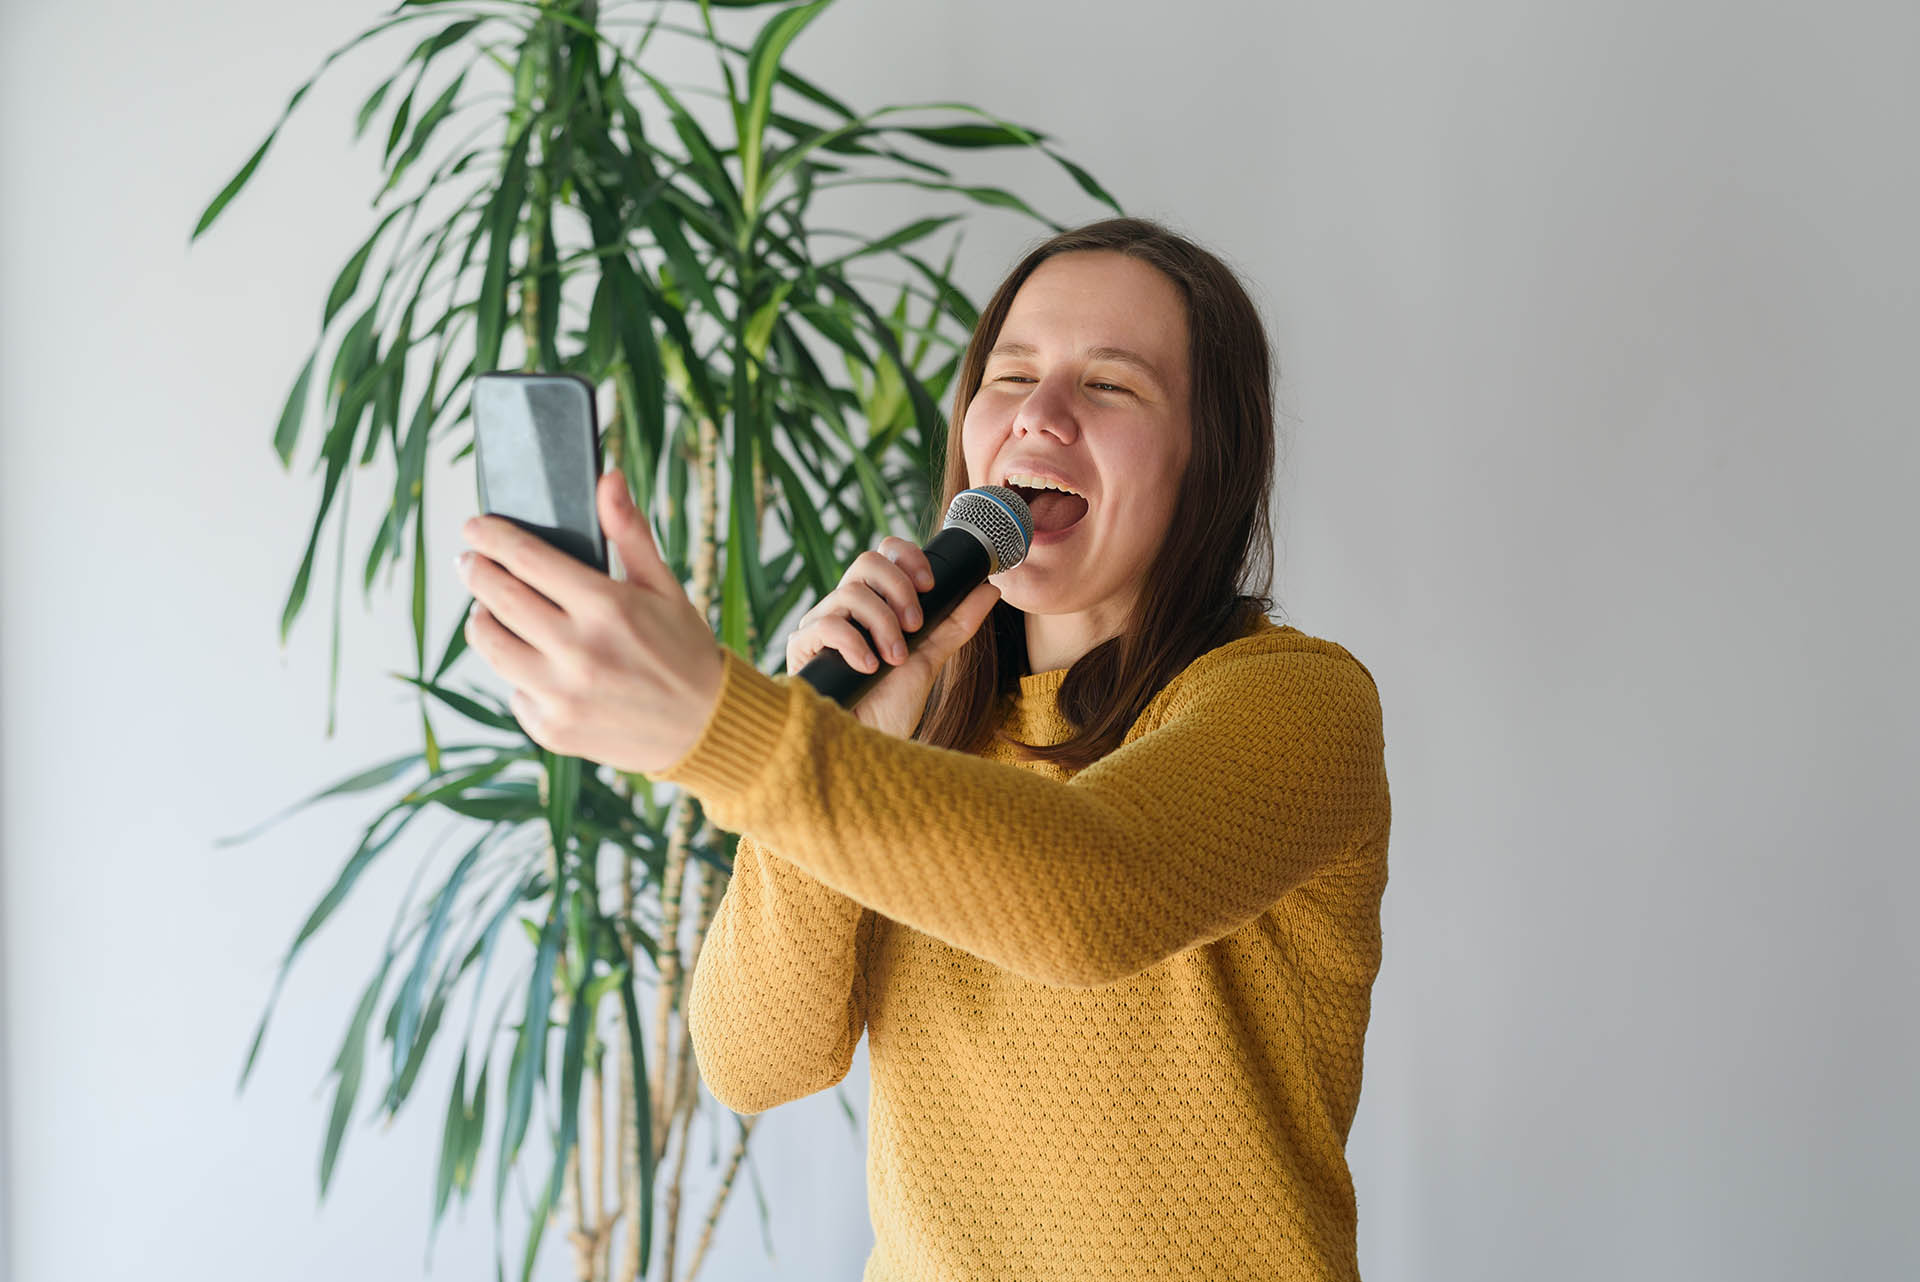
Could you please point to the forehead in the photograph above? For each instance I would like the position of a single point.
(1100, 305)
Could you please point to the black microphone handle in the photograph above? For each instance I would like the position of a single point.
(960, 564)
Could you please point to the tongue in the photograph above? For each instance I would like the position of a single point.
(1053, 510)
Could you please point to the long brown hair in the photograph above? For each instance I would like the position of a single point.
(1216, 564)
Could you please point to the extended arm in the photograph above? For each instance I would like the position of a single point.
(1264, 768)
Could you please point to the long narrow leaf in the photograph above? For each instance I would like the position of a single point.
(501, 220)
(348, 1065)
(769, 46)
(412, 989)
(239, 180)
(364, 854)
(529, 1051)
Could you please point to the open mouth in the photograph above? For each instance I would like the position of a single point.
(1053, 510)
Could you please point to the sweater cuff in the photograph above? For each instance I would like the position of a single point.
(739, 737)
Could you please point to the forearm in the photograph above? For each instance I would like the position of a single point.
(777, 1001)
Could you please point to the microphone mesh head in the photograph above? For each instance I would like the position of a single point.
(999, 518)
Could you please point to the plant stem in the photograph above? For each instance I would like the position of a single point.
(720, 1198)
(676, 866)
(683, 1111)
(600, 1221)
(686, 1071)
(626, 1116)
(582, 1235)
(700, 592)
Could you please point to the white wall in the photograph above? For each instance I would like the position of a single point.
(1592, 323)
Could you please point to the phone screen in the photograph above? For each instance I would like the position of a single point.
(537, 458)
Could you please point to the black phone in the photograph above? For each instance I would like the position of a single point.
(536, 446)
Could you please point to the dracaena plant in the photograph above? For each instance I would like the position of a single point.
(769, 415)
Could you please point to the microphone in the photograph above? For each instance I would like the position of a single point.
(987, 530)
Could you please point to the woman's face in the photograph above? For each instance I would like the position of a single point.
(1060, 399)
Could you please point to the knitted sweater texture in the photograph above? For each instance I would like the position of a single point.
(1114, 1017)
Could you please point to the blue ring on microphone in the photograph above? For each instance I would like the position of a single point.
(1026, 537)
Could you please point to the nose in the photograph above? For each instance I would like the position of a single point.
(1048, 408)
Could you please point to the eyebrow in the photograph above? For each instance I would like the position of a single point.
(1119, 354)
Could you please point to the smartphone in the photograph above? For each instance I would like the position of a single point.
(536, 448)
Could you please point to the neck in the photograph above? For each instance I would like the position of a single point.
(1058, 640)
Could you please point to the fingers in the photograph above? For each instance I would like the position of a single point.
(627, 529)
(840, 634)
(832, 629)
(879, 617)
(880, 591)
(890, 580)
(911, 558)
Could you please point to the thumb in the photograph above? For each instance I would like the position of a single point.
(949, 634)
(627, 530)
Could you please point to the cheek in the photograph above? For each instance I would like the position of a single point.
(977, 442)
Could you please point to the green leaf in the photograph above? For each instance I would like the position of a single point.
(916, 230)
(288, 432)
(820, 564)
(1086, 181)
(972, 134)
(547, 286)
(500, 221)
(363, 855)
(336, 451)
(429, 1025)
(423, 131)
(239, 180)
(760, 328)
(529, 1051)
(563, 792)
(542, 1211)
(572, 1063)
(348, 1065)
(452, 1142)
(372, 777)
(762, 62)
(413, 988)
(371, 105)
(460, 703)
(401, 116)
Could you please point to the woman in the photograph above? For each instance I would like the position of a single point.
(1097, 869)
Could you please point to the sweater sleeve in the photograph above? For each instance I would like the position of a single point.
(777, 1001)
(1265, 767)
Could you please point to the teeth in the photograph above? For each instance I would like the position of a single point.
(1037, 483)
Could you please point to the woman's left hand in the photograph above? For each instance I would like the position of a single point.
(620, 671)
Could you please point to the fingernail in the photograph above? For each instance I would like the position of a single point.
(913, 617)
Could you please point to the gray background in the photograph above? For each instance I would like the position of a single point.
(1596, 325)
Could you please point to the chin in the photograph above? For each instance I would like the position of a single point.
(1029, 597)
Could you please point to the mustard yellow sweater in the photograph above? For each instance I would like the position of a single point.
(1114, 1017)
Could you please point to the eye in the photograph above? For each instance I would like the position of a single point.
(1022, 378)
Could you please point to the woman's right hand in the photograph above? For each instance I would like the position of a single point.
(881, 591)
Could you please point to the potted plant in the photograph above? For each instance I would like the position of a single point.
(769, 415)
